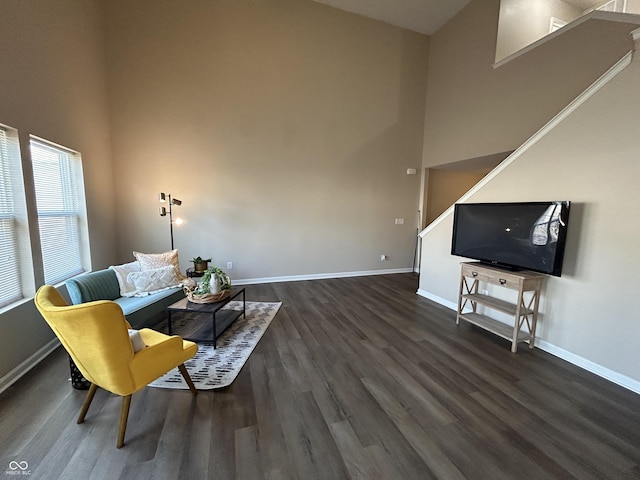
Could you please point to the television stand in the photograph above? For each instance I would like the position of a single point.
(524, 311)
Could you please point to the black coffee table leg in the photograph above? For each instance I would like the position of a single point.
(215, 334)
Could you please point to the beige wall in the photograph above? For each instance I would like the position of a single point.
(591, 159)
(523, 22)
(633, 6)
(54, 86)
(473, 109)
(286, 127)
(447, 186)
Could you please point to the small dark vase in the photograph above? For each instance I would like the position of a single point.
(200, 266)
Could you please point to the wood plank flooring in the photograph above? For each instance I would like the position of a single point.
(356, 378)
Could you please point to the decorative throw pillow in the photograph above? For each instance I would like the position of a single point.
(136, 340)
(149, 261)
(127, 288)
(148, 281)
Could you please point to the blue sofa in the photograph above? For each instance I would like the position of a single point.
(103, 285)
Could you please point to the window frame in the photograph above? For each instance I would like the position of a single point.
(25, 271)
(65, 203)
(17, 263)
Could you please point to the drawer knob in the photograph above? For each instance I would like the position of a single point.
(474, 274)
(502, 281)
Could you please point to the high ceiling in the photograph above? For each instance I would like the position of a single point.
(424, 16)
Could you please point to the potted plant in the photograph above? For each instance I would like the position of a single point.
(215, 281)
(200, 264)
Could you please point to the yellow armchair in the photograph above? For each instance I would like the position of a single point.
(96, 336)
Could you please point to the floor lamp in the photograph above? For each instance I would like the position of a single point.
(163, 211)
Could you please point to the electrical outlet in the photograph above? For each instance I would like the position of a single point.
(229, 265)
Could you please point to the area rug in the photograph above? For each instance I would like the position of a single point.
(217, 368)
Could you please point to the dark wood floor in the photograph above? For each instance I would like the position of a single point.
(355, 378)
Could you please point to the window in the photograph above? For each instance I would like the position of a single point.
(44, 236)
(59, 189)
(11, 285)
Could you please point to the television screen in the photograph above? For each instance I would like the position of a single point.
(525, 236)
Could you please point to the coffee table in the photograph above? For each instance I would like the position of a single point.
(221, 318)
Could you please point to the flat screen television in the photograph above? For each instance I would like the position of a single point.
(518, 236)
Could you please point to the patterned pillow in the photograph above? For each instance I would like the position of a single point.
(127, 288)
(149, 281)
(149, 261)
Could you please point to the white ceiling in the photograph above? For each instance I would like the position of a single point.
(424, 16)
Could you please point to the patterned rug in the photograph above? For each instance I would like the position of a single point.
(218, 368)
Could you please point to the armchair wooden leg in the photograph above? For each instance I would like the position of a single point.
(187, 378)
(124, 415)
(87, 402)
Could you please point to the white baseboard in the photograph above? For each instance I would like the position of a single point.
(320, 276)
(24, 367)
(615, 377)
(440, 300)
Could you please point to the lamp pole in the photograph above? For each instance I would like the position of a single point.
(163, 211)
(171, 220)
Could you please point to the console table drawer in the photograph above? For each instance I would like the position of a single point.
(472, 272)
(505, 280)
(496, 276)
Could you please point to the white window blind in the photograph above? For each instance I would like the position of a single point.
(57, 176)
(10, 283)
